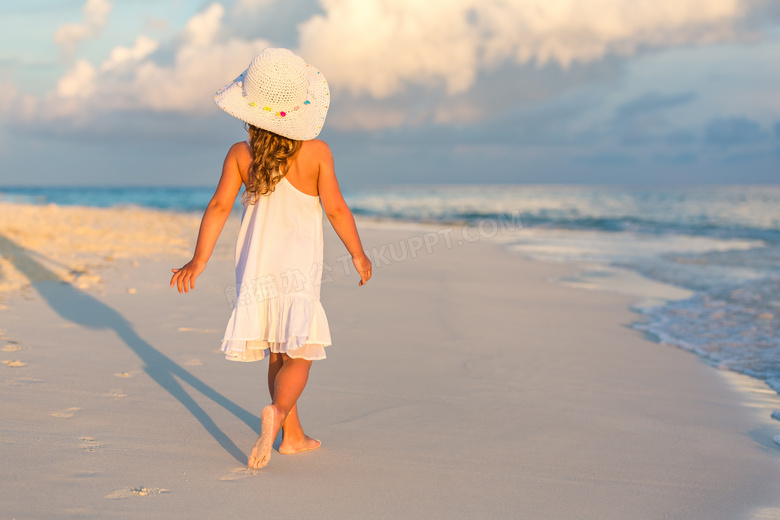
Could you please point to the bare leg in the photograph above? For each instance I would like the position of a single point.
(294, 440)
(288, 385)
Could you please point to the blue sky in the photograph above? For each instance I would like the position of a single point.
(446, 91)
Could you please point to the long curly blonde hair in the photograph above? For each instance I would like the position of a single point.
(271, 154)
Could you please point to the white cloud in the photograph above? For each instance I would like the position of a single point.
(78, 82)
(197, 73)
(377, 47)
(372, 51)
(143, 47)
(202, 29)
(14, 101)
(248, 6)
(9, 92)
(131, 80)
(95, 13)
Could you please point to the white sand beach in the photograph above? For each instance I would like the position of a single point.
(461, 383)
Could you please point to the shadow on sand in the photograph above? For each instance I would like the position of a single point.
(84, 310)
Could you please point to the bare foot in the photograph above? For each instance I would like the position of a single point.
(297, 446)
(261, 451)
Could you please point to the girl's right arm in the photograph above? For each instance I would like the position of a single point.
(213, 221)
(338, 212)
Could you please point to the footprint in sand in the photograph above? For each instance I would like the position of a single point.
(24, 381)
(240, 473)
(12, 347)
(194, 363)
(139, 491)
(90, 444)
(15, 363)
(776, 415)
(126, 375)
(116, 394)
(777, 439)
(66, 413)
(84, 474)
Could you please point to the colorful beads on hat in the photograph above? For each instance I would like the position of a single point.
(281, 113)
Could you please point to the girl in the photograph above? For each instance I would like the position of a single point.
(287, 174)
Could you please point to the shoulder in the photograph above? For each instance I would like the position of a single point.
(239, 150)
(317, 148)
(238, 160)
(239, 154)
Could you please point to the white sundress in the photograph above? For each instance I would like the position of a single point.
(279, 261)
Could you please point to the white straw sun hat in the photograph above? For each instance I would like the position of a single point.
(279, 92)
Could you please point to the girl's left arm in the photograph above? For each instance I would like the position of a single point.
(213, 221)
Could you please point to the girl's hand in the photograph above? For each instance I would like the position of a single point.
(184, 278)
(363, 266)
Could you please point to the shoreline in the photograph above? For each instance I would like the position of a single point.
(582, 408)
(80, 262)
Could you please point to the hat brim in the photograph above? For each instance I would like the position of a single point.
(302, 124)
